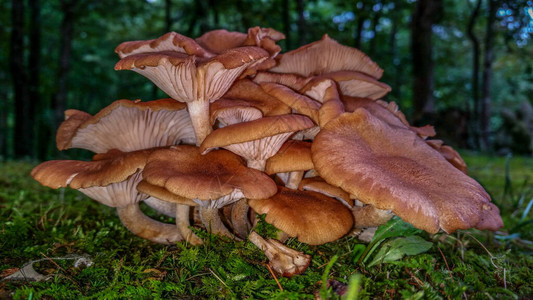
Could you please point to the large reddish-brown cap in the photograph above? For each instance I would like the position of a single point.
(392, 168)
(326, 56)
(256, 140)
(171, 41)
(183, 171)
(357, 84)
(127, 126)
(109, 179)
(294, 155)
(379, 108)
(312, 217)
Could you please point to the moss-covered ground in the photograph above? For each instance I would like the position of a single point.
(37, 223)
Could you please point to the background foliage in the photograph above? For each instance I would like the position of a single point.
(67, 58)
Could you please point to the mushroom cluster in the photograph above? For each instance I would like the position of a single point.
(302, 137)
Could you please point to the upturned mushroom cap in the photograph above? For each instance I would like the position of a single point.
(326, 56)
(183, 171)
(127, 126)
(312, 217)
(110, 180)
(217, 41)
(390, 167)
(256, 140)
(324, 90)
(194, 79)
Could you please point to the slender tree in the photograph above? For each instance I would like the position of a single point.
(23, 130)
(487, 75)
(426, 14)
(474, 112)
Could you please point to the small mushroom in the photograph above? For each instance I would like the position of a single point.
(294, 158)
(110, 179)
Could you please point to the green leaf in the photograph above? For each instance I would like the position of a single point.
(394, 228)
(397, 248)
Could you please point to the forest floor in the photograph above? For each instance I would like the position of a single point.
(82, 251)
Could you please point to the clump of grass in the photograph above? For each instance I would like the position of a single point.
(38, 222)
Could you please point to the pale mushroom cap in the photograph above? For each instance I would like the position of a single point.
(326, 56)
(128, 126)
(118, 194)
(183, 171)
(392, 168)
(312, 217)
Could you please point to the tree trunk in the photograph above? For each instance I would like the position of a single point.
(65, 51)
(302, 26)
(23, 131)
(34, 68)
(474, 112)
(425, 15)
(487, 76)
(396, 61)
(287, 24)
(373, 41)
(358, 34)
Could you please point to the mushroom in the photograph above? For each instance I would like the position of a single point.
(293, 158)
(110, 179)
(392, 168)
(326, 56)
(357, 84)
(127, 126)
(213, 180)
(195, 76)
(312, 217)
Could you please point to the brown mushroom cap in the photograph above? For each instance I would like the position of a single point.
(217, 41)
(449, 154)
(293, 81)
(392, 168)
(326, 56)
(312, 217)
(300, 103)
(292, 156)
(183, 171)
(127, 126)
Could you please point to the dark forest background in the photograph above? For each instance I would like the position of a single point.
(465, 66)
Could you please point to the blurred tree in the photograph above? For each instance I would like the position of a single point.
(426, 13)
(474, 111)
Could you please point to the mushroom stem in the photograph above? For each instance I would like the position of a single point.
(294, 179)
(183, 223)
(282, 259)
(199, 112)
(239, 218)
(141, 225)
(212, 221)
